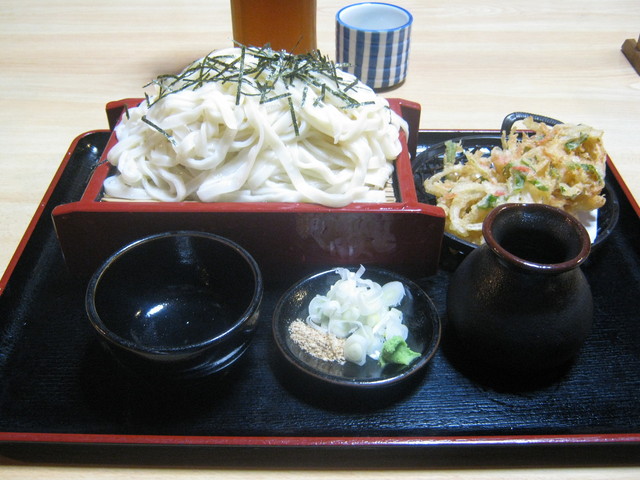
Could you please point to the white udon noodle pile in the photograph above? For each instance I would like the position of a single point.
(215, 145)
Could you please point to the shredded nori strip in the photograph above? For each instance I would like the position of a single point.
(293, 117)
(156, 127)
(271, 66)
(279, 65)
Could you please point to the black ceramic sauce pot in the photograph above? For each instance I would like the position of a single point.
(520, 302)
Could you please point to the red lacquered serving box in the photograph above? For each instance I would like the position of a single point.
(288, 240)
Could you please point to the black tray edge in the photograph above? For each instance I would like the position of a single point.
(10, 440)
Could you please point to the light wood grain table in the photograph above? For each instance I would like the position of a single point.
(471, 63)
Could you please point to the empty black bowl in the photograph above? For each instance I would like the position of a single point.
(181, 304)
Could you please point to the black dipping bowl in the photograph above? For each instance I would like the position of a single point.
(176, 305)
(419, 315)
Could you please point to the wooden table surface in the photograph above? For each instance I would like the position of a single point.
(471, 63)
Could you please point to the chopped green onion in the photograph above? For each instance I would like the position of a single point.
(576, 142)
(539, 185)
(519, 179)
(528, 164)
(488, 202)
(450, 152)
(591, 170)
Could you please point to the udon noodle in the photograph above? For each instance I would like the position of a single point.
(248, 125)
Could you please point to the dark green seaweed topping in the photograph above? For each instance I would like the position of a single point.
(267, 68)
(162, 131)
(312, 69)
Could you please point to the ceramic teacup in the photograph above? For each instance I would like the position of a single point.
(372, 43)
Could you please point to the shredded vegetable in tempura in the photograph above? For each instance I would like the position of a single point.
(562, 166)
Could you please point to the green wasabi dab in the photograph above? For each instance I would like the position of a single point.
(396, 350)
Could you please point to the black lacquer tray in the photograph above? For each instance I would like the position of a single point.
(58, 387)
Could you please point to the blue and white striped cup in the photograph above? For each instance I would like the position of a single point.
(373, 39)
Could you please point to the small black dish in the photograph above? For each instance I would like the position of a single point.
(430, 162)
(419, 315)
(178, 305)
